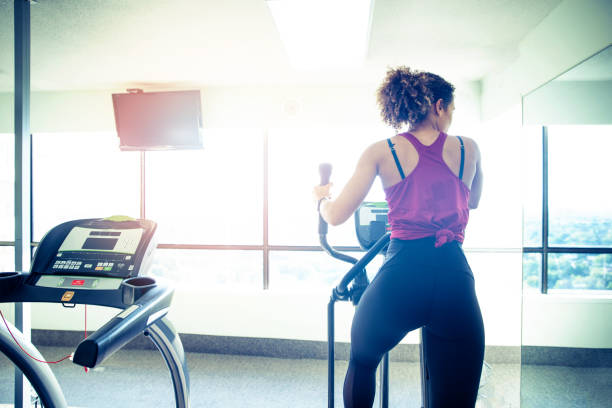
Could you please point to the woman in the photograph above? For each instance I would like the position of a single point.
(431, 181)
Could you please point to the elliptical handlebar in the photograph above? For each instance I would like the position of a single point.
(357, 273)
(357, 278)
(361, 264)
(325, 170)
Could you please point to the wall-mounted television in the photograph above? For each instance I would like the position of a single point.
(158, 120)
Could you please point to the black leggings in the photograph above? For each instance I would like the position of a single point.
(420, 286)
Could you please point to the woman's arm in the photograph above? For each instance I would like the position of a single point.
(337, 211)
(476, 189)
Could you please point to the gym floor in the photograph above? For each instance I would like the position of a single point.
(139, 378)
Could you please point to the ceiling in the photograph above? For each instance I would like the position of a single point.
(115, 44)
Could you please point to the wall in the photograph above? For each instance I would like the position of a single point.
(562, 102)
(232, 107)
(567, 321)
(571, 33)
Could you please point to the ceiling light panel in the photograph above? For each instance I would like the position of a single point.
(325, 34)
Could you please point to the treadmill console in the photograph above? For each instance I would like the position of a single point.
(118, 247)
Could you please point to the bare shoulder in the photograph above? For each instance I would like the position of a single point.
(376, 150)
(471, 146)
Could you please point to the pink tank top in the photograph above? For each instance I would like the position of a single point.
(430, 201)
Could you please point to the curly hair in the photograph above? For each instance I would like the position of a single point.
(406, 95)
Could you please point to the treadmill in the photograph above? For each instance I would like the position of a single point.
(98, 261)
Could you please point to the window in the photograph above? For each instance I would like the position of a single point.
(81, 175)
(210, 196)
(496, 223)
(532, 271)
(209, 269)
(576, 224)
(7, 187)
(295, 155)
(498, 287)
(580, 197)
(580, 271)
(311, 271)
(210, 204)
(7, 258)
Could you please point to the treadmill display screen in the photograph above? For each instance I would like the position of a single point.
(123, 241)
(100, 243)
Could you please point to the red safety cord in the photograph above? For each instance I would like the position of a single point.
(86, 369)
(34, 358)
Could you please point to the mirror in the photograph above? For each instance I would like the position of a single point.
(566, 351)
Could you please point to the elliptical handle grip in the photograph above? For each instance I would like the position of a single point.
(325, 170)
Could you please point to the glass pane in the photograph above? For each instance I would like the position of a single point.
(7, 258)
(82, 175)
(532, 271)
(7, 187)
(294, 156)
(496, 223)
(311, 271)
(210, 269)
(580, 202)
(531, 174)
(592, 272)
(209, 196)
(498, 287)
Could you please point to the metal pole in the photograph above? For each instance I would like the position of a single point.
(424, 373)
(23, 171)
(143, 212)
(384, 381)
(330, 353)
(266, 243)
(545, 229)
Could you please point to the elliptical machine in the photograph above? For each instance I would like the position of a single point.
(373, 235)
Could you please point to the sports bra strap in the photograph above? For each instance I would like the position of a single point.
(462, 158)
(397, 163)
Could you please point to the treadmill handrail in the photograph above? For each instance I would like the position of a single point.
(124, 327)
